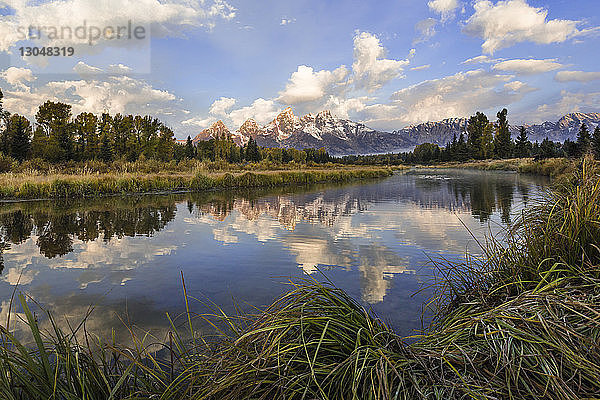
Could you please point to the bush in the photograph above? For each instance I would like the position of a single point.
(7, 163)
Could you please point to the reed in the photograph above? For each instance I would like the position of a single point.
(94, 185)
(521, 322)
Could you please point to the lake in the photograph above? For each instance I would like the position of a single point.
(126, 255)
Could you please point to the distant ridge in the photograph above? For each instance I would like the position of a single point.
(343, 137)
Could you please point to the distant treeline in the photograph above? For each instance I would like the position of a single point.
(58, 137)
(485, 140)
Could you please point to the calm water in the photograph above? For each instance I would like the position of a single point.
(126, 255)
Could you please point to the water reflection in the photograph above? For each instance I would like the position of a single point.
(371, 239)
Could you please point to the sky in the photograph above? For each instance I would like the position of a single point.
(385, 63)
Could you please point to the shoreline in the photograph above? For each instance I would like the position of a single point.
(551, 167)
(49, 187)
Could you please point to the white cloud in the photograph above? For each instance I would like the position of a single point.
(287, 21)
(220, 107)
(17, 76)
(198, 122)
(517, 86)
(528, 66)
(85, 70)
(343, 108)
(576, 76)
(426, 30)
(115, 94)
(421, 67)
(166, 17)
(307, 85)
(371, 70)
(444, 7)
(457, 95)
(262, 111)
(119, 69)
(513, 21)
(481, 60)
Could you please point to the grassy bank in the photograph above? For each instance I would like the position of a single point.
(552, 167)
(521, 322)
(34, 186)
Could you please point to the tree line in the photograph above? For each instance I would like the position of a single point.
(485, 139)
(57, 136)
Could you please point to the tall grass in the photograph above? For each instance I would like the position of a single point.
(112, 184)
(522, 322)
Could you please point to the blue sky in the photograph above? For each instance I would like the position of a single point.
(387, 63)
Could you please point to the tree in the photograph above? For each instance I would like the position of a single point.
(570, 148)
(252, 152)
(19, 131)
(596, 142)
(547, 149)
(522, 144)
(502, 141)
(487, 141)
(86, 131)
(190, 151)
(4, 122)
(106, 151)
(475, 130)
(584, 140)
(462, 149)
(54, 131)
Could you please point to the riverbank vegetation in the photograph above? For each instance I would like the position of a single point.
(519, 322)
(93, 185)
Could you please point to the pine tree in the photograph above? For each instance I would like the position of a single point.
(189, 148)
(584, 140)
(20, 134)
(487, 141)
(522, 145)
(502, 141)
(596, 142)
(106, 152)
(547, 149)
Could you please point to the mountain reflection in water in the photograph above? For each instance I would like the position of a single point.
(373, 240)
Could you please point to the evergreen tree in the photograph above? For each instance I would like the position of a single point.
(596, 142)
(502, 141)
(547, 149)
(522, 145)
(252, 151)
(584, 140)
(19, 131)
(487, 141)
(570, 148)
(190, 151)
(462, 149)
(475, 130)
(106, 151)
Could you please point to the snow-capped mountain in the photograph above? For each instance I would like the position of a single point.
(342, 137)
(338, 136)
(565, 128)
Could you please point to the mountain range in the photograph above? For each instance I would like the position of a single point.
(343, 137)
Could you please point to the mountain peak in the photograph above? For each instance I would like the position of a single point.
(250, 128)
(216, 130)
(284, 125)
